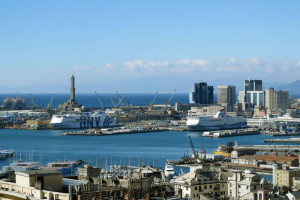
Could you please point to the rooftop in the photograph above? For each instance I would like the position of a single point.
(269, 158)
(39, 172)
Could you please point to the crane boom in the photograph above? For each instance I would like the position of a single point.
(153, 100)
(120, 99)
(100, 100)
(113, 103)
(32, 101)
(171, 97)
(194, 152)
(49, 104)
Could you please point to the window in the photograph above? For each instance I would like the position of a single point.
(210, 186)
(199, 188)
(196, 188)
(205, 187)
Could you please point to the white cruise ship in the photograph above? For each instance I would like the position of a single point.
(85, 121)
(218, 122)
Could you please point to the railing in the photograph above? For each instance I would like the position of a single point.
(17, 190)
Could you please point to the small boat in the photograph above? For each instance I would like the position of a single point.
(169, 170)
(61, 166)
(7, 153)
(21, 165)
(3, 156)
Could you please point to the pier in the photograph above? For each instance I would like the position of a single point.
(107, 132)
(262, 148)
(230, 133)
(287, 140)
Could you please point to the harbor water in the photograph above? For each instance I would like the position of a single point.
(148, 148)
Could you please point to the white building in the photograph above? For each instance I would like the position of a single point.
(247, 186)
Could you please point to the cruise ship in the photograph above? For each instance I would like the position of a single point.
(218, 122)
(82, 121)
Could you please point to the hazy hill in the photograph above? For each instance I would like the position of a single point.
(293, 88)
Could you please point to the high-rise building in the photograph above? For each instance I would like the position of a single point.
(269, 98)
(202, 93)
(276, 99)
(227, 96)
(251, 85)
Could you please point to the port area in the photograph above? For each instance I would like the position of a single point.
(268, 148)
(231, 133)
(114, 131)
(286, 140)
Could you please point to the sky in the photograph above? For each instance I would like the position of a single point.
(146, 46)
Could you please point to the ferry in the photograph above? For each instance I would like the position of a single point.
(61, 166)
(21, 165)
(82, 121)
(218, 122)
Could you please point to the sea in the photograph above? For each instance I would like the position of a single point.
(103, 151)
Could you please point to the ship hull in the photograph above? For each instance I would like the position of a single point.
(211, 124)
(82, 121)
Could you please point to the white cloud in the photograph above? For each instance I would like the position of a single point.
(78, 68)
(200, 62)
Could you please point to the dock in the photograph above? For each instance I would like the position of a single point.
(230, 133)
(268, 148)
(287, 140)
(107, 132)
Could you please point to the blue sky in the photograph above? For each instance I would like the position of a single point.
(146, 46)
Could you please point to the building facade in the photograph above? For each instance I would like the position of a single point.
(276, 99)
(202, 93)
(227, 96)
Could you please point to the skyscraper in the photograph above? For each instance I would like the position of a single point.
(276, 99)
(251, 85)
(202, 93)
(227, 96)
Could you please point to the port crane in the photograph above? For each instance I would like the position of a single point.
(120, 102)
(113, 103)
(32, 101)
(49, 104)
(120, 98)
(168, 102)
(100, 100)
(194, 152)
(153, 100)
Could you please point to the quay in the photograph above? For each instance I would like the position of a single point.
(287, 140)
(230, 133)
(110, 131)
(262, 148)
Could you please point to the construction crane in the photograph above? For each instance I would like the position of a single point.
(32, 101)
(120, 99)
(153, 100)
(100, 100)
(49, 104)
(194, 152)
(168, 102)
